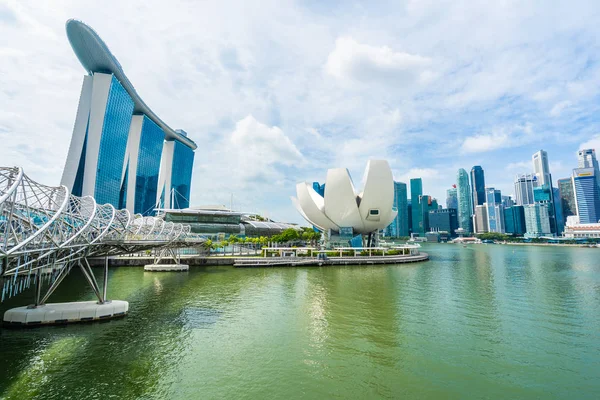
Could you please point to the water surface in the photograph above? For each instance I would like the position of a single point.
(479, 322)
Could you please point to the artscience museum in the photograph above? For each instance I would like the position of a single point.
(344, 211)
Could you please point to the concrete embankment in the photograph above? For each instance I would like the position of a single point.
(143, 261)
(259, 262)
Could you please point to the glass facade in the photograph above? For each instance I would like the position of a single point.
(425, 207)
(567, 198)
(451, 198)
(416, 191)
(181, 177)
(445, 220)
(465, 207)
(586, 195)
(495, 213)
(537, 222)
(115, 130)
(148, 165)
(478, 186)
(399, 226)
(514, 220)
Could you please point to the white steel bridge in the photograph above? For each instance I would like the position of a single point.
(45, 231)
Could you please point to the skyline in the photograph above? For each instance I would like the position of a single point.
(271, 105)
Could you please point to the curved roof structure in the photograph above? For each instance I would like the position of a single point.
(342, 206)
(95, 56)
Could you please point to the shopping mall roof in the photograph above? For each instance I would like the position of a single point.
(95, 56)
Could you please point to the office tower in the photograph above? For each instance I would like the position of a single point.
(537, 222)
(480, 219)
(434, 204)
(319, 188)
(567, 198)
(175, 175)
(495, 211)
(416, 191)
(524, 184)
(445, 220)
(507, 201)
(587, 159)
(514, 220)
(477, 186)
(425, 204)
(464, 201)
(587, 196)
(452, 198)
(558, 212)
(409, 214)
(399, 226)
(543, 195)
(118, 142)
(541, 168)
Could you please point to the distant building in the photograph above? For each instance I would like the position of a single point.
(495, 211)
(524, 184)
(477, 186)
(514, 220)
(445, 220)
(543, 195)
(480, 219)
(409, 214)
(399, 226)
(465, 201)
(452, 198)
(587, 196)
(507, 201)
(537, 221)
(416, 191)
(575, 230)
(541, 168)
(567, 198)
(558, 212)
(319, 188)
(425, 206)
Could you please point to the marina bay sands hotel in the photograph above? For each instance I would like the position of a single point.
(121, 152)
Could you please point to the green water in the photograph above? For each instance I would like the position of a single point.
(480, 322)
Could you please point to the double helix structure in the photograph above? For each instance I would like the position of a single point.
(45, 231)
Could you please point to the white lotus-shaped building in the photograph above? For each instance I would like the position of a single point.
(343, 207)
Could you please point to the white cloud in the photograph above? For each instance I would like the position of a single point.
(500, 138)
(424, 173)
(351, 61)
(560, 107)
(593, 143)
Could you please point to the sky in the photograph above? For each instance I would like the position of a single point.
(276, 92)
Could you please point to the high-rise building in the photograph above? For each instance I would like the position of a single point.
(514, 220)
(543, 194)
(118, 148)
(452, 198)
(507, 201)
(558, 212)
(541, 168)
(425, 204)
(416, 191)
(524, 184)
(495, 211)
(319, 188)
(409, 214)
(587, 196)
(586, 158)
(537, 222)
(465, 208)
(399, 226)
(567, 198)
(445, 220)
(477, 186)
(480, 219)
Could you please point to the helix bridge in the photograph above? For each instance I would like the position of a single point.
(46, 231)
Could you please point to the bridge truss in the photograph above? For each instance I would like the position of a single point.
(45, 231)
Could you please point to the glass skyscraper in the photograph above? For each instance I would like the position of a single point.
(524, 184)
(416, 191)
(495, 211)
(117, 147)
(567, 198)
(514, 220)
(587, 196)
(465, 206)
(399, 226)
(537, 221)
(452, 198)
(478, 186)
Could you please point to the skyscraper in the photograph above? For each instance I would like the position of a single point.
(514, 220)
(587, 196)
(416, 191)
(587, 159)
(543, 195)
(524, 184)
(537, 221)
(567, 198)
(452, 198)
(480, 219)
(541, 168)
(399, 226)
(495, 211)
(445, 220)
(477, 186)
(118, 153)
(425, 203)
(464, 201)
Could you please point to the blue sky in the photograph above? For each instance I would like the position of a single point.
(276, 92)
